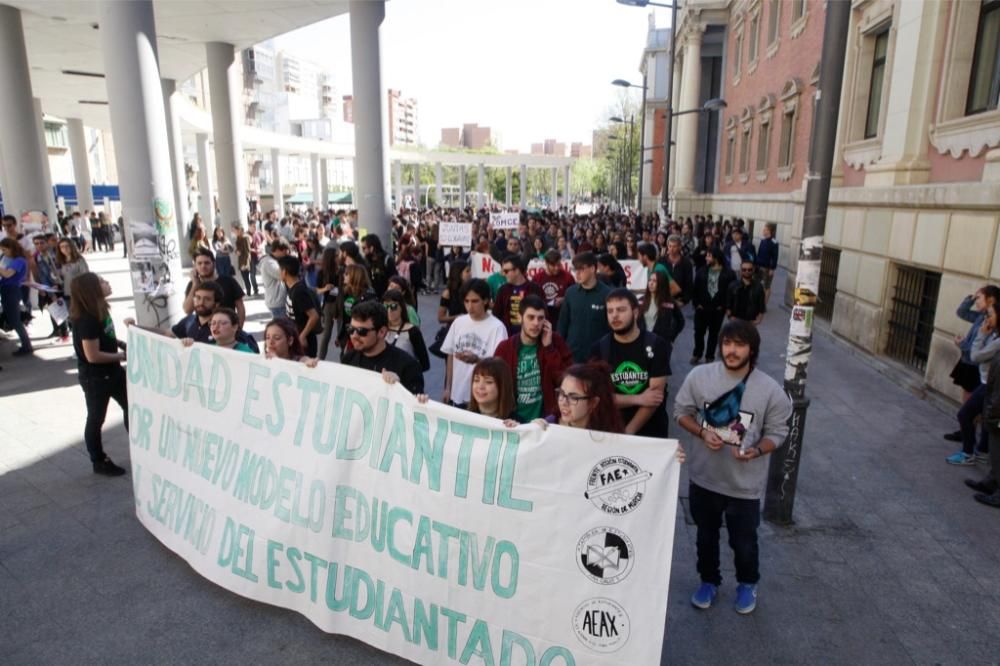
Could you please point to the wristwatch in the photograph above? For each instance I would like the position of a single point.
(760, 454)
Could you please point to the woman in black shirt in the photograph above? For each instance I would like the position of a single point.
(99, 362)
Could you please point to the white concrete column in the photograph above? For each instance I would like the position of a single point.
(40, 127)
(910, 108)
(461, 186)
(324, 185)
(224, 88)
(314, 172)
(567, 176)
(554, 199)
(276, 183)
(371, 160)
(675, 79)
(25, 162)
(438, 185)
(480, 184)
(206, 202)
(416, 185)
(3, 177)
(397, 178)
(524, 186)
(687, 125)
(510, 187)
(170, 100)
(138, 123)
(81, 165)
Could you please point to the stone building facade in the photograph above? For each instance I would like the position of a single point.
(913, 221)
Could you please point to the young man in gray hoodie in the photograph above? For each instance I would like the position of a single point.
(727, 467)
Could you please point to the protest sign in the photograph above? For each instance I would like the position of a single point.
(483, 265)
(455, 233)
(636, 275)
(430, 532)
(505, 220)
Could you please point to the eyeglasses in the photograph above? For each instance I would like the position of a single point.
(391, 306)
(562, 396)
(360, 331)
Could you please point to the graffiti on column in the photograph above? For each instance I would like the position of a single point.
(801, 324)
(153, 246)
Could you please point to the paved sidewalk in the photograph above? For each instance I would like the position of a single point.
(890, 560)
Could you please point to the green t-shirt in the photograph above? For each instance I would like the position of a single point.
(496, 280)
(529, 384)
(243, 347)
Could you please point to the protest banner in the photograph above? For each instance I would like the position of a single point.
(636, 275)
(426, 531)
(505, 220)
(455, 233)
(483, 265)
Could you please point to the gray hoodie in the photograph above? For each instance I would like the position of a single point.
(984, 348)
(764, 410)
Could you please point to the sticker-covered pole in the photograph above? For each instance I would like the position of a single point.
(138, 122)
(784, 465)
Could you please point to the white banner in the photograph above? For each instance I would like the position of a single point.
(451, 234)
(505, 220)
(636, 276)
(483, 265)
(426, 531)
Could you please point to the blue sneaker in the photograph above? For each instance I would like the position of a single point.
(705, 595)
(746, 598)
(960, 458)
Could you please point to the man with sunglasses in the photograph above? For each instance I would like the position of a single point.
(746, 299)
(369, 351)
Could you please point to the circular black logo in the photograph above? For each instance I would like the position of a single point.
(616, 485)
(601, 624)
(605, 555)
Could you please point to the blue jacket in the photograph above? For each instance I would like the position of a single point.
(767, 254)
(747, 253)
(966, 313)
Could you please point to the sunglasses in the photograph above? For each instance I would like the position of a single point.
(391, 306)
(360, 331)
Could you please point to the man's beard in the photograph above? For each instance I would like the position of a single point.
(626, 329)
(742, 364)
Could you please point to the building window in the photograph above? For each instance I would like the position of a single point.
(798, 9)
(730, 154)
(754, 37)
(745, 149)
(984, 83)
(763, 140)
(829, 267)
(737, 52)
(911, 321)
(787, 148)
(56, 136)
(875, 87)
(773, 16)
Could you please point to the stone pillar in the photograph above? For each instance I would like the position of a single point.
(370, 120)
(438, 184)
(324, 185)
(554, 199)
(276, 184)
(314, 172)
(138, 123)
(81, 165)
(397, 179)
(206, 202)
(416, 184)
(910, 108)
(480, 184)
(25, 162)
(170, 100)
(40, 127)
(510, 186)
(524, 186)
(226, 123)
(461, 186)
(687, 125)
(567, 177)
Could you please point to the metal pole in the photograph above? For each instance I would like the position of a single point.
(783, 472)
(668, 130)
(642, 137)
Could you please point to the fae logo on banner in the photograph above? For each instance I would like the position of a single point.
(430, 532)
(455, 233)
(505, 220)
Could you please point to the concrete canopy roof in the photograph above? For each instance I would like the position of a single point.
(61, 35)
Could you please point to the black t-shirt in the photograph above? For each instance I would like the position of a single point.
(632, 366)
(231, 291)
(394, 360)
(299, 300)
(88, 327)
(192, 327)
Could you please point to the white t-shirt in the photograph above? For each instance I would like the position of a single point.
(735, 258)
(479, 337)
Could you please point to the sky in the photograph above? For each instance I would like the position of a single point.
(529, 69)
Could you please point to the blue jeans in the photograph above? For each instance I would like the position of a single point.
(742, 519)
(967, 414)
(278, 313)
(10, 300)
